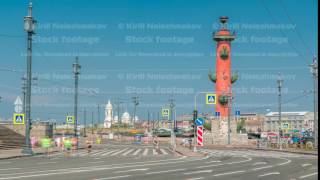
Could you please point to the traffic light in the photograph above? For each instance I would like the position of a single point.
(195, 115)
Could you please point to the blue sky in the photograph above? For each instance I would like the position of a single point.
(122, 50)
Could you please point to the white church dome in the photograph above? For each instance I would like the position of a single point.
(125, 118)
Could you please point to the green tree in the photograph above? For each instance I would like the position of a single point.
(241, 125)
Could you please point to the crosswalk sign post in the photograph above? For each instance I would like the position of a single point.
(70, 120)
(211, 98)
(18, 119)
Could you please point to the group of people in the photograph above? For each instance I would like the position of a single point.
(66, 144)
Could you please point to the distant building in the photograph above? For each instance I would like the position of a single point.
(297, 120)
(253, 122)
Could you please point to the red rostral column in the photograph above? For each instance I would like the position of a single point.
(223, 77)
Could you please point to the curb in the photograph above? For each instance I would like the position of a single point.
(275, 150)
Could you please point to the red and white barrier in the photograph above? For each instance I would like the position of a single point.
(200, 135)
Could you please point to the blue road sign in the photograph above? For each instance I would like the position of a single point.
(217, 114)
(199, 122)
(237, 113)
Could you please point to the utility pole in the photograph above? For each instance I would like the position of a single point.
(76, 71)
(279, 81)
(172, 105)
(85, 122)
(229, 118)
(29, 26)
(314, 71)
(148, 122)
(92, 123)
(24, 90)
(98, 116)
(135, 103)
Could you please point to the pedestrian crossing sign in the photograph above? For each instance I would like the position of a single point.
(70, 119)
(18, 119)
(165, 112)
(211, 99)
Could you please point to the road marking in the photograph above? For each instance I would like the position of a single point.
(227, 173)
(5, 162)
(145, 152)
(9, 169)
(196, 178)
(212, 162)
(304, 165)
(267, 174)
(263, 167)
(154, 151)
(132, 170)
(258, 163)
(96, 162)
(115, 177)
(197, 172)
(160, 172)
(136, 152)
(109, 152)
(94, 168)
(163, 151)
(46, 162)
(126, 153)
(308, 175)
(116, 153)
(97, 153)
(234, 162)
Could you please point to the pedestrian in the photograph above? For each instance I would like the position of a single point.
(88, 145)
(46, 144)
(67, 145)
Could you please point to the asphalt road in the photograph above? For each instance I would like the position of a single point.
(135, 162)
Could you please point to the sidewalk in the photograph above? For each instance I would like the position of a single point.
(289, 150)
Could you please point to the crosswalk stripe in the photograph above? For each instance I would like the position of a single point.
(136, 152)
(126, 153)
(109, 152)
(118, 152)
(163, 151)
(155, 152)
(145, 152)
(98, 153)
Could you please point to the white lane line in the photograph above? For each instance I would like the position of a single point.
(46, 162)
(119, 151)
(95, 162)
(128, 152)
(197, 178)
(154, 152)
(5, 162)
(163, 151)
(109, 152)
(263, 167)
(268, 174)
(115, 177)
(212, 162)
(9, 169)
(234, 162)
(132, 170)
(145, 152)
(198, 172)
(258, 163)
(304, 165)
(136, 152)
(227, 173)
(160, 172)
(308, 175)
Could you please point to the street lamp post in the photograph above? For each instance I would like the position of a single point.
(135, 103)
(173, 140)
(29, 26)
(314, 71)
(280, 82)
(76, 71)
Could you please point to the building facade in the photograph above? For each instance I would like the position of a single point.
(301, 121)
